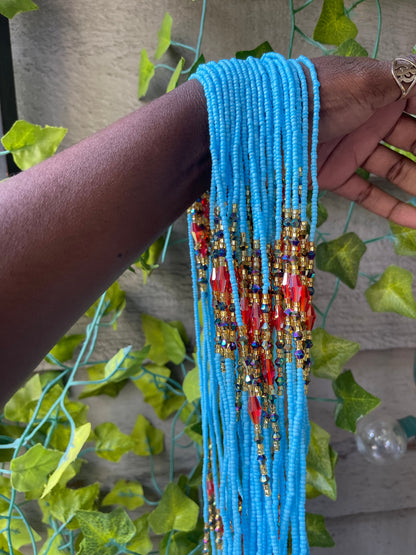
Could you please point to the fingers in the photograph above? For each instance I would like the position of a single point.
(377, 201)
(394, 167)
(403, 134)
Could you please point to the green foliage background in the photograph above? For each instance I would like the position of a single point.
(45, 431)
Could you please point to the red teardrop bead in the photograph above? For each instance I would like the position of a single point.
(310, 316)
(255, 318)
(269, 371)
(220, 279)
(197, 232)
(278, 317)
(245, 310)
(254, 409)
(210, 488)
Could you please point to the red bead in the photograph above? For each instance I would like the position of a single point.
(245, 310)
(269, 371)
(210, 488)
(255, 318)
(254, 409)
(220, 279)
(310, 316)
(278, 317)
(294, 291)
(197, 232)
(205, 207)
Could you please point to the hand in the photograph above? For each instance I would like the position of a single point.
(361, 105)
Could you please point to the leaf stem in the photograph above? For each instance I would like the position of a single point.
(323, 399)
(303, 6)
(181, 45)
(347, 221)
(166, 244)
(4, 152)
(379, 20)
(332, 299)
(387, 236)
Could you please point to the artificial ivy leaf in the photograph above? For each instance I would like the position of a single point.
(393, 293)
(190, 385)
(163, 36)
(110, 443)
(125, 363)
(341, 257)
(4, 547)
(115, 300)
(182, 543)
(62, 503)
(101, 530)
(194, 431)
(141, 542)
(353, 401)
(175, 511)
(181, 329)
(318, 457)
(19, 532)
(318, 535)
(333, 26)
(110, 388)
(30, 143)
(30, 471)
(146, 438)
(81, 435)
(146, 73)
(164, 339)
(318, 483)
(351, 47)
(257, 52)
(152, 382)
(329, 353)
(322, 213)
(19, 408)
(148, 261)
(8, 434)
(10, 8)
(52, 548)
(5, 489)
(128, 494)
(404, 239)
(64, 349)
(200, 61)
(175, 75)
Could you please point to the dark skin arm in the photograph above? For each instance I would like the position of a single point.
(72, 224)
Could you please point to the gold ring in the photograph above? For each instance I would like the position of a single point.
(403, 70)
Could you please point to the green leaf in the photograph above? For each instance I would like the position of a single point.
(318, 535)
(404, 239)
(101, 530)
(182, 543)
(10, 8)
(173, 82)
(30, 143)
(164, 339)
(64, 349)
(19, 408)
(320, 464)
(351, 47)
(181, 329)
(5, 489)
(341, 257)
(31, 470)
(8, 434)
(147, 439)
(174, 512)
(163, 36)
(257, 52)
(110, 388)
(393, 293)
(200, 61)
(111, 444)
(125, 363)
(62, 503)
(190, 385)
(128, 494)
(194, 431)
(333, 26)
(329, 353)
(353, 401)
(49, 548)
(115, 299)
(146, 73)
(81, 435)
(19, 532)
(322, 213)
(148, 261)
(141, 542)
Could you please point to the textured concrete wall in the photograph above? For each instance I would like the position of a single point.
(76, 66)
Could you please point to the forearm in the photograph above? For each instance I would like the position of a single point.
(72, 224)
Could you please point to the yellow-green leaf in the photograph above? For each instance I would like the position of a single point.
(141, 542)
(353, 401)
(19, 532)
(81, 435)
(175, 75)
(115, 300)
(333, 26)
(125, 363)
(10, 8)
(62, 503)
(341, 257)
(190, 385)
(148, 261)
(30, 143)
(194, 431)
(163, 36)
(320, 463)
(101, 530)
(19, 408)
(64, 349)
(175, 511)
(318, 535)
(146, 73)
(110, 443)
(147, 440)
(96, 373)
(329, 353)
(164, 339)
(393, 293)
(128, 494)
(404, 239)
(351, 47)
(31, 470)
